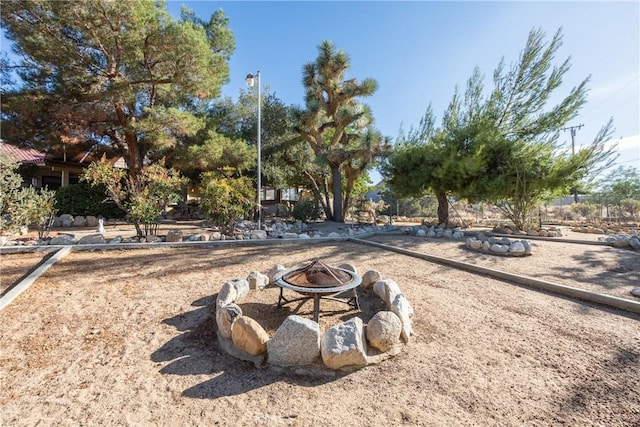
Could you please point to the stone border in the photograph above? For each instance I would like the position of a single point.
(567, 291)
(298, 343)
(606, 300)
(502, 247)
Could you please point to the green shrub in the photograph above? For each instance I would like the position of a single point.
(20, 207)
(83, 199)
(307, 210)
(225, 200)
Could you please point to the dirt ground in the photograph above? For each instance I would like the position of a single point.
(126, 337)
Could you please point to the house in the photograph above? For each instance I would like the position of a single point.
(58, 167)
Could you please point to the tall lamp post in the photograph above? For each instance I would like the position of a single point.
(250, 81)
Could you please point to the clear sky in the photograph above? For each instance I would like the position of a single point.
(419, 51)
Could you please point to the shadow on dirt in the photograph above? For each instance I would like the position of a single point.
(621, 385)
(196, 352)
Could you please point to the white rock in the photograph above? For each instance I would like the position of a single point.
(333, 234)
(500, 249)
(273, 271)
(421, 232)
(63, 239)
(242, 288)
(295, 343)
(257, 280)
(517, 248)
(290, 235)
(527, 246)
(91, 239)
(303, 236)
(66, 220)
(226, 295)
(344, 345)
(225, 316)
(383, 330)
(401, 307)
(258, 235)
(486, 246)
(379, 289)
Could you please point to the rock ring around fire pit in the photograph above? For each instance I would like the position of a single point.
(299, 342)
(319, 281)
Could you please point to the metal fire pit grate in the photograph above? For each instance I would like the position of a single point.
(318, 280)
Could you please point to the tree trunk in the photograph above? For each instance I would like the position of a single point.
(443, 208)
(337, 193)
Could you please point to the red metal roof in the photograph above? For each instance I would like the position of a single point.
(23, 155)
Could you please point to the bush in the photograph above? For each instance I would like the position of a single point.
(143, 197)
(307, 210)
(83, 199)
(225, 200)
(20, 207)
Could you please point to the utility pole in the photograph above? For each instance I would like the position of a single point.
(572, 130)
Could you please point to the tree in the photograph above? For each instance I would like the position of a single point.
(336, 127)
(143, 198)
(504, 147)
(622, 188)
(225, 200)
(119, 73)
(622, 183)
(23, 206)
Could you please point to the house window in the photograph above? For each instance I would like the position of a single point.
(269, 194)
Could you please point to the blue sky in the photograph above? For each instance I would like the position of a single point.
(419, 51)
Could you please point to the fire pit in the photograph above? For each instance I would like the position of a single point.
(319, 281)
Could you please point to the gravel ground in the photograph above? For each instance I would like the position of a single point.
(125, 337)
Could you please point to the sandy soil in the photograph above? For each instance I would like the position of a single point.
(126, 338)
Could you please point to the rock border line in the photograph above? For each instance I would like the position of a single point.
(564, 290)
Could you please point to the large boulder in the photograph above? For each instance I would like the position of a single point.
(152, 238)
(63, 239)
(517, 248)
(258, 234)
(344, 345)
(66, 220)
(242, 288)
(295, 343)
(369, 278)
(91, 239)
(91, 221)
(174, 236)
(249, 336)
(79, 221)
(383, 330)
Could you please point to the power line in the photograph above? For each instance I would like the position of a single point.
(590, 107)
(572, 130)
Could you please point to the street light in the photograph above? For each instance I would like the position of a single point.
(250, 80)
